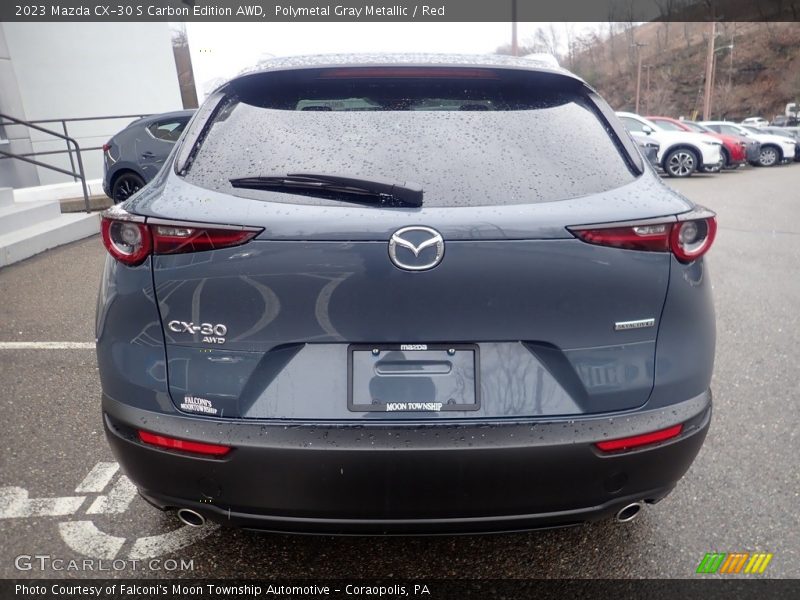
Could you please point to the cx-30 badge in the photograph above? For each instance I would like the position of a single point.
(212, 333)
(416, 248)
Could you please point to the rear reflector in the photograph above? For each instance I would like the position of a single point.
(183, 445)
(637, 441)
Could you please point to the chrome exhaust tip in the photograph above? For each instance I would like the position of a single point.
(628, 513)
(191, 518)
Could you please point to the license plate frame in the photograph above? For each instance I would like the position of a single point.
(426, 362)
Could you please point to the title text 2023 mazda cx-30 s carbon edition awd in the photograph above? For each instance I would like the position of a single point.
(405, 294)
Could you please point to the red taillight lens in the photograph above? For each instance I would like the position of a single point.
(637, 441)
(106, 147)
(183, 445)
(640, 237)
(130, 240)
(127, 241)
(175, 239)
(688, 238)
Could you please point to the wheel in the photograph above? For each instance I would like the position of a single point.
(125, 186)
(714, 169)
(770, 156)
(726, 159)
(681, 162)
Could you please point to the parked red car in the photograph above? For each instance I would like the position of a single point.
(734, 150)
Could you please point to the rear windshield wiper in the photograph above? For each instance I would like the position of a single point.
(337, 187)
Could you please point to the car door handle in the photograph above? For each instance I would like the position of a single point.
(148, 155)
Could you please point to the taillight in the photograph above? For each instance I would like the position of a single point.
(106, 147)
(688, 236)
(174, 239)
(126, 240)
(637, 441)
(637, 237)
(170, 443)
(689, 240)
(131, 239)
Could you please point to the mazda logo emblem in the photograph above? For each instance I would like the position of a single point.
(416, 248)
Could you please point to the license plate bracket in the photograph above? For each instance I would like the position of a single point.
(414, 378)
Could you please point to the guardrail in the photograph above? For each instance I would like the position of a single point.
(73, 149)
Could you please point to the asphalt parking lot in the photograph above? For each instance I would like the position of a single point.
(741, 495)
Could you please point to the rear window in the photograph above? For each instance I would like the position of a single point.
(470, 137)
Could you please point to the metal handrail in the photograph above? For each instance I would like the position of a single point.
(71, 146)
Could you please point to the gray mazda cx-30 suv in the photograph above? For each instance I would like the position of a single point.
(399, 294)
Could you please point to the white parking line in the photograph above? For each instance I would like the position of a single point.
(46, 345)
(85, 538)
(15, 504)
(118, 499)
(172, 541)
(98, 478)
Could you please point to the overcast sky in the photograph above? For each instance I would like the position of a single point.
(221, 50)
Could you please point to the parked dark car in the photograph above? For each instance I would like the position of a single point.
(399, 294)
(133, 156)
(785, 121)
(649, 149)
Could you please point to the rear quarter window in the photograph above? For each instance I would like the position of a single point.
(490, 139)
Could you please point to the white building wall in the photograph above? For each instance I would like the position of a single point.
(68, 70)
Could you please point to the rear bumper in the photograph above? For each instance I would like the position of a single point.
(409, 478)
(753, 152)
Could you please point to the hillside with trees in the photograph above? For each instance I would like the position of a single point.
(756, 66)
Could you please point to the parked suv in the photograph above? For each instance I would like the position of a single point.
(734, 148)
(755, 121)
(133, 156)
(396, 294)
(785, 121)
(774, 150)
(681, 153)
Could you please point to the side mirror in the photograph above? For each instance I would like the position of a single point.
(647, 129)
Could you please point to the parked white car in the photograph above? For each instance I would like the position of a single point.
(681, 152)
(756, 122)
(774, 148)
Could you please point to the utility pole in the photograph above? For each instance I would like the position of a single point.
(514, 44)
(638, 45)
(647, 92)
(709, 72)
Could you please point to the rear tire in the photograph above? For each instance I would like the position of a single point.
(125, 186)
(680, 162)
(726, 159)
(770, 156)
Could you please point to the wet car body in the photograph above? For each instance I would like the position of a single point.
(470, 348)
